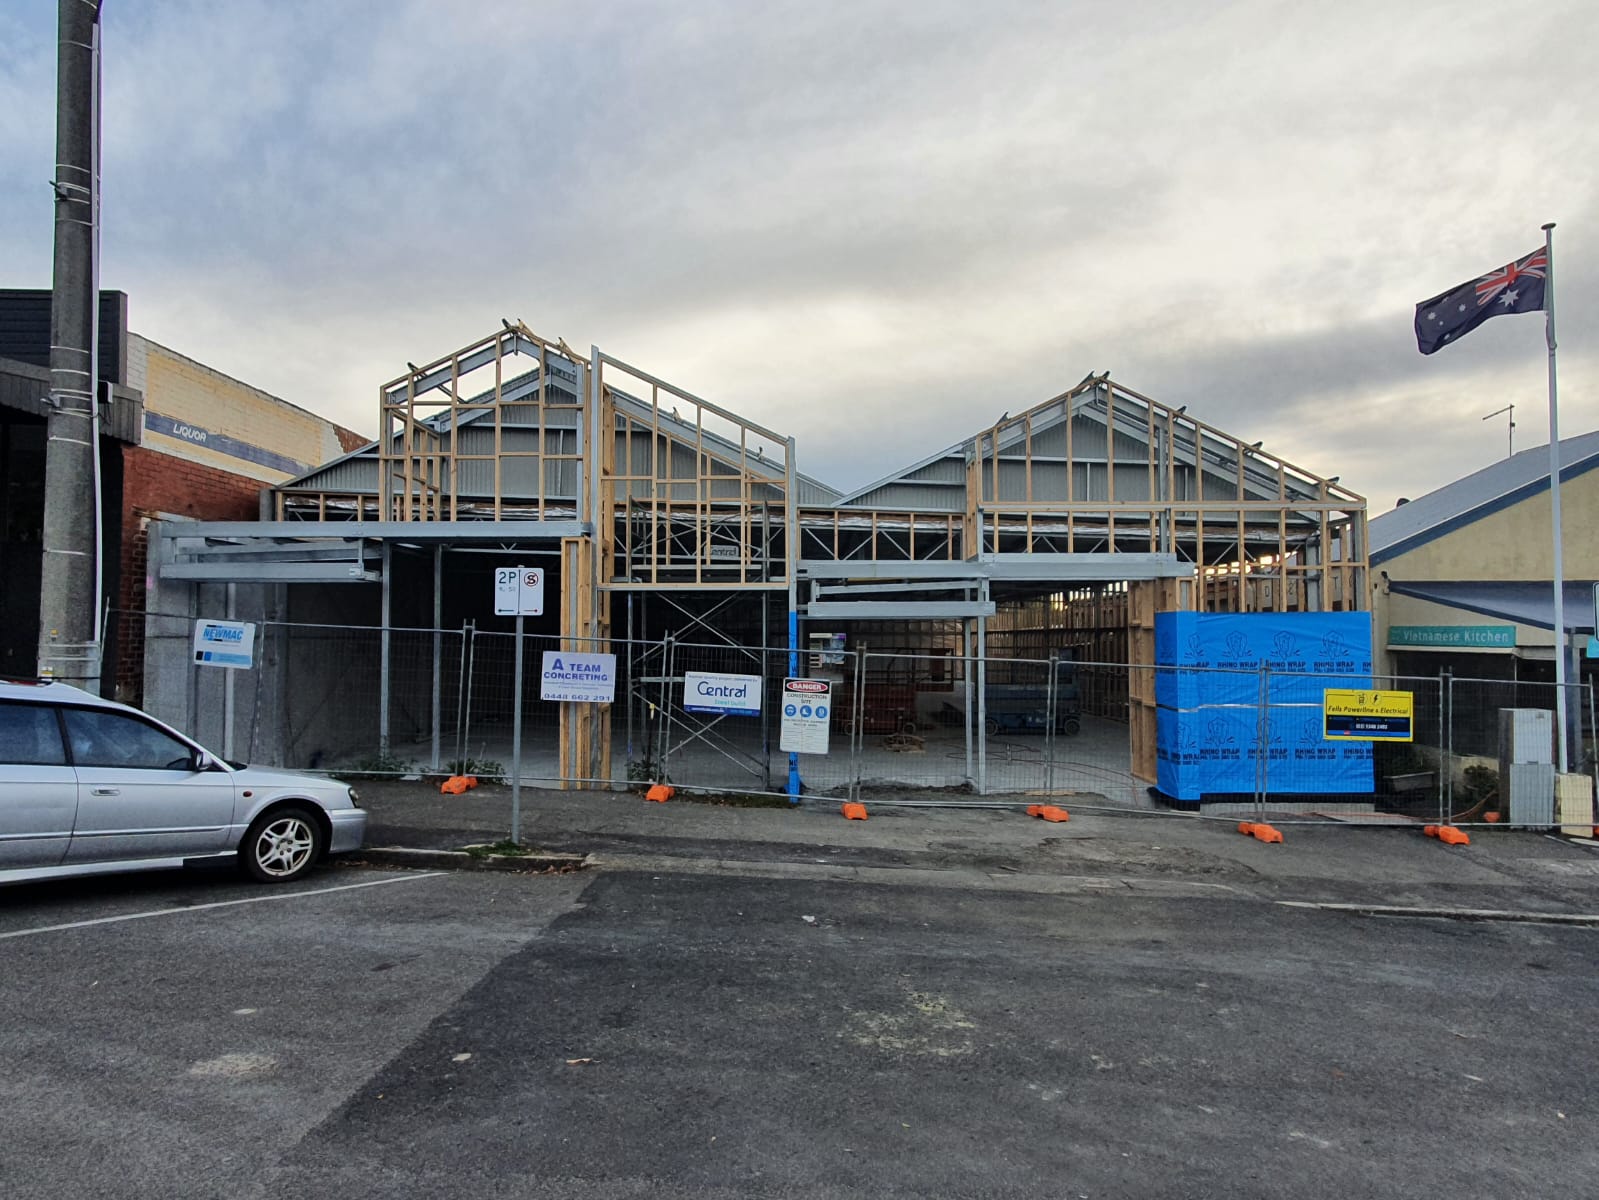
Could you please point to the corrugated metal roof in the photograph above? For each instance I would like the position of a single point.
(26, 388)
(1475, 496)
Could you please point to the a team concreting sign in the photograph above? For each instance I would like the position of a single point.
(225, 644)
(724, 695)
(1367, 716)
(518, 591)
(584, 678)
(807, 709)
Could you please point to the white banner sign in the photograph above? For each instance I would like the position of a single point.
(518, 592)
(224, 644)
(585, 678)
(726, 695)
(807, 709)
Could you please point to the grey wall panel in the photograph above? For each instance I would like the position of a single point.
(894, 497)
(25, 330)
(352, 475)
(808, 492)
(943, 470)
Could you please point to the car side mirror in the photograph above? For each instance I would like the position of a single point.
(203, 761)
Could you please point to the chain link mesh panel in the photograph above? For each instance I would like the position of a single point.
(903, 728)
(1324, 759)
(1503, 754)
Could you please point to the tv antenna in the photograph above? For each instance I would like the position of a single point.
(1511, 409)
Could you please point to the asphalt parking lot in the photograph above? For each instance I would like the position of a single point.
(623, 1033)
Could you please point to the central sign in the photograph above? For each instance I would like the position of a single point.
(724, 695)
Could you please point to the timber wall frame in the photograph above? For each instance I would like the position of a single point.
(678, 493)
(645, 487)
(1262, 534)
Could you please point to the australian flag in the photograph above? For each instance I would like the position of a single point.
(1516, 288)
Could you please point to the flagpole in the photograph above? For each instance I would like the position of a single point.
(1561, 759)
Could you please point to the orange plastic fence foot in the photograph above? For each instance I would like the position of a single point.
(456, 784)
(853, 811)
(1265, 833)
(1051, 813)
(1430, 830)
(1451, 836)
(1246, 827)
(1034, 810)
(659, 792)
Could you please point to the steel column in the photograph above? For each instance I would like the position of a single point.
(383, 651)
(438, 649)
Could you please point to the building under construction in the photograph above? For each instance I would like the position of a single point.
(1059, 531)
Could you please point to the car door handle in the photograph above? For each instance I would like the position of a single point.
(105, 791)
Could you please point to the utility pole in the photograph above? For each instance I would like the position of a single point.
(69, 599)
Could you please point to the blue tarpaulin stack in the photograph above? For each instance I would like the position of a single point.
(1208, 691)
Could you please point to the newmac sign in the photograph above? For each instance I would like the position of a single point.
(1453, 637)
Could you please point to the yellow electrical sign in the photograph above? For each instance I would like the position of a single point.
(1367, 716)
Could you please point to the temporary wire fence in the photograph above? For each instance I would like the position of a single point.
(902, 728)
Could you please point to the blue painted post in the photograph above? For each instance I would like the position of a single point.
(793, 670)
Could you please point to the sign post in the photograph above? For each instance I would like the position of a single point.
(229, 644)
(518, 592)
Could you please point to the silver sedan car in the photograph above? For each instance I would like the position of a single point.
(89, 786)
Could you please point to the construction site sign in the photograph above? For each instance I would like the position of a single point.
(582, 678)
(723, 695)
(807, 710)
(225, 644)
(1349, 715)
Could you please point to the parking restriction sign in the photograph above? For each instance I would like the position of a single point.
(518, 592)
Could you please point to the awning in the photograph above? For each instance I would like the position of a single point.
(1526, 603)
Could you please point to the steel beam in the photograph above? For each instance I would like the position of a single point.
(896, 610)
(269, 572)
(1066, 568)
(407, 531)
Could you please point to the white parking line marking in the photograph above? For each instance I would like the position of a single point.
(167, 912)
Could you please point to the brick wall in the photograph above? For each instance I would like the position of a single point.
(196, 412)
(156, 485)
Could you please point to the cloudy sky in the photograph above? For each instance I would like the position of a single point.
(875, 226)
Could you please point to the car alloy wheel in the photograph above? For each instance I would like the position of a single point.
(282, 846)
